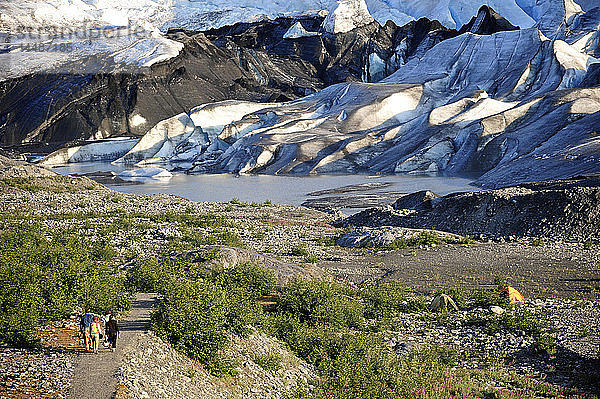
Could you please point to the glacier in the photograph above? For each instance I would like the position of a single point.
(137, 28)
(506, 93)
(207, 14)
(97, 151)
(512, 118)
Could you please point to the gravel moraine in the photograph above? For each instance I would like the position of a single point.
(274, 230)
(576, 334)
(154, 370)
(35, 373)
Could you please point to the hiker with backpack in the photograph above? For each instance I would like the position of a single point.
(84, 328)
(95, 333)
(105, 319)
(112, 332)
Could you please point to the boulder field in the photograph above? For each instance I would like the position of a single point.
(566, 210)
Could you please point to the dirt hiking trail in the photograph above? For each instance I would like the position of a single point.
(95, 374)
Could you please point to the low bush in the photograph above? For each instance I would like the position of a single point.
(150, 275)
(200, 308)
(193, 238)
(300, 250)
(486, 298)
(477, 298)
(322, 301)
(323, 322)
(270, 361)
(530, 323)
(192, 317)
(326, 241)
(255, 280)
(311, 259)
(383, 300)
(424, 238)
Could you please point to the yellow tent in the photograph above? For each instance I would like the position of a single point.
(514, 295)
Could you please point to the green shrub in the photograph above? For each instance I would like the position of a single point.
(192, 317)
(424, 238)
(384, 300)
(538, 242)
(531, 323)
(300, 250)
(200, 308)
(257, 281)
(326, 241)
(236, 201)
(321, 301)
(270, 361)
(150, 275)
(439, 354)
(486, 298)
(319, 345)
(223, 365)
(243, 312)
(311, 258)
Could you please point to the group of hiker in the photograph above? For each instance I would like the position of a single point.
(94, 328)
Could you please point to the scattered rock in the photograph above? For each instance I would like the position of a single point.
(10, 169)
(559, 210)
(497, 310)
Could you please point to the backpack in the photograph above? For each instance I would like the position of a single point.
(95, 328)
(87, 319)
(112, 328)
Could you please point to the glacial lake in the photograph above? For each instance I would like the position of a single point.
(293, 190)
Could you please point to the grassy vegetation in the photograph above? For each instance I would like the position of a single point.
(425, 239)
(192, 230)
(56, 184)
(338, 328)
(537, 242)
(300, 250)
(524, 321)
(477, 298)
(270, 361)
(303, 251)
(325, 323)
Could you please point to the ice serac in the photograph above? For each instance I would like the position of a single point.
(297, 31)
(346, 16)
(102, 150)
(308, 136)
(161, 141)
(146, 173)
